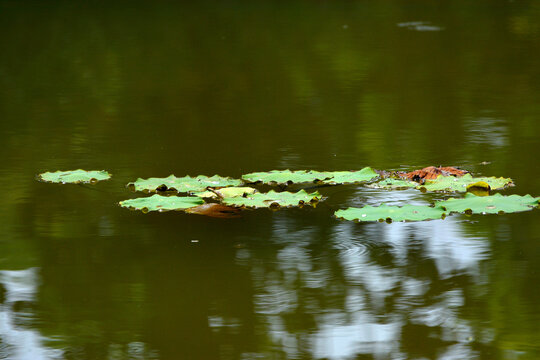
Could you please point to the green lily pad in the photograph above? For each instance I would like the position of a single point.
(286, 177)
(186, 184)
(274, 199)
(227, 192)
(75, 176)
(350, 177)
(489, 204)
(451, 183)
(392, 213)
(391, 183)
(162, 203)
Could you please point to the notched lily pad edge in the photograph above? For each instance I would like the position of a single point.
(274, 205)
(314, 177)
(448, 212)
(163, 188)
(275, 200)
(389, 219)
(475, 182)
(127, 204)
(485, 205)
(104, 176)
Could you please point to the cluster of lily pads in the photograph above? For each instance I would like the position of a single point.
(226, 196)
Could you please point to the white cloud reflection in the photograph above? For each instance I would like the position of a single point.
(365, 324)
(20, 343)
(487, 131)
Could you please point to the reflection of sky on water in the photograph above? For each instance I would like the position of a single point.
(374, 197)
(487, 131)
(443, 241)
(17, 342)
(451, 250)
(419, 26)
(365, 323)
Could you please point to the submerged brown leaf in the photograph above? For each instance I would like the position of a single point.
(215, 210)
(431, 172)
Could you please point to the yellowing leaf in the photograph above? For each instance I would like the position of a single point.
(451, 183)
(231, 192)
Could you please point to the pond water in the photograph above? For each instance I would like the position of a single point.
(146, 89)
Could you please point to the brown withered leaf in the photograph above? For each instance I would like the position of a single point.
(431, 172)
(215, 210)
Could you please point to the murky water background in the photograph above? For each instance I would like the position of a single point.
(146, 89)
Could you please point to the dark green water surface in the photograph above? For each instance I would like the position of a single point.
(149, 89)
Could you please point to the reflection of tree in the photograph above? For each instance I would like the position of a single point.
(371, 297)
(157, 291)
(100, 87)
(416, 291)
(331, 290)
(17, 296)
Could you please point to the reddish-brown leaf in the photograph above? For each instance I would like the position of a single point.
(431, 172)
(215, 210)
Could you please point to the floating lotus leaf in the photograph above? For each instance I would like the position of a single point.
(231, 192)
(451, 183)
(489, 204)
(350, 177)
(205, 194)
(274, 199)
(392, 213)
(224, 192)
(75, 176)
(162, 203)
(186, 184)
(391, 183)
(284, 177)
